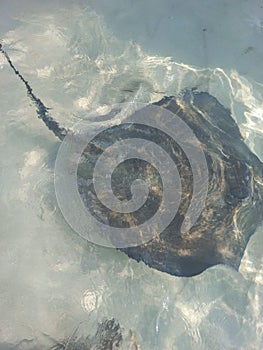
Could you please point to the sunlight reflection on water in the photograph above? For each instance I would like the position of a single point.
(50, 276)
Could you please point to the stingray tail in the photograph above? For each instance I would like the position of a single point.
(42, 110)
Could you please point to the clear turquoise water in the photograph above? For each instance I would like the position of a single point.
(82, 56)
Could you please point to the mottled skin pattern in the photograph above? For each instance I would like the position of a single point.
(234, 203)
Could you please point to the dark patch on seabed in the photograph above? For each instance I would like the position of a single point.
(108, 336)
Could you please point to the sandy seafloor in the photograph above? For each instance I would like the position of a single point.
(78, 56)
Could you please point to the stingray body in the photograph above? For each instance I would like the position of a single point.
(234, 203)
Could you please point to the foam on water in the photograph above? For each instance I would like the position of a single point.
(51, 279)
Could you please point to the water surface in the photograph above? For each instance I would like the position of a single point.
(80, 57)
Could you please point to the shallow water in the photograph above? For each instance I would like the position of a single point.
(80, 57)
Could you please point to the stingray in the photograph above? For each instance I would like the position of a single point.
(234, 203)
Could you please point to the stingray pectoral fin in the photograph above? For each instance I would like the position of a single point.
(216, 113)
